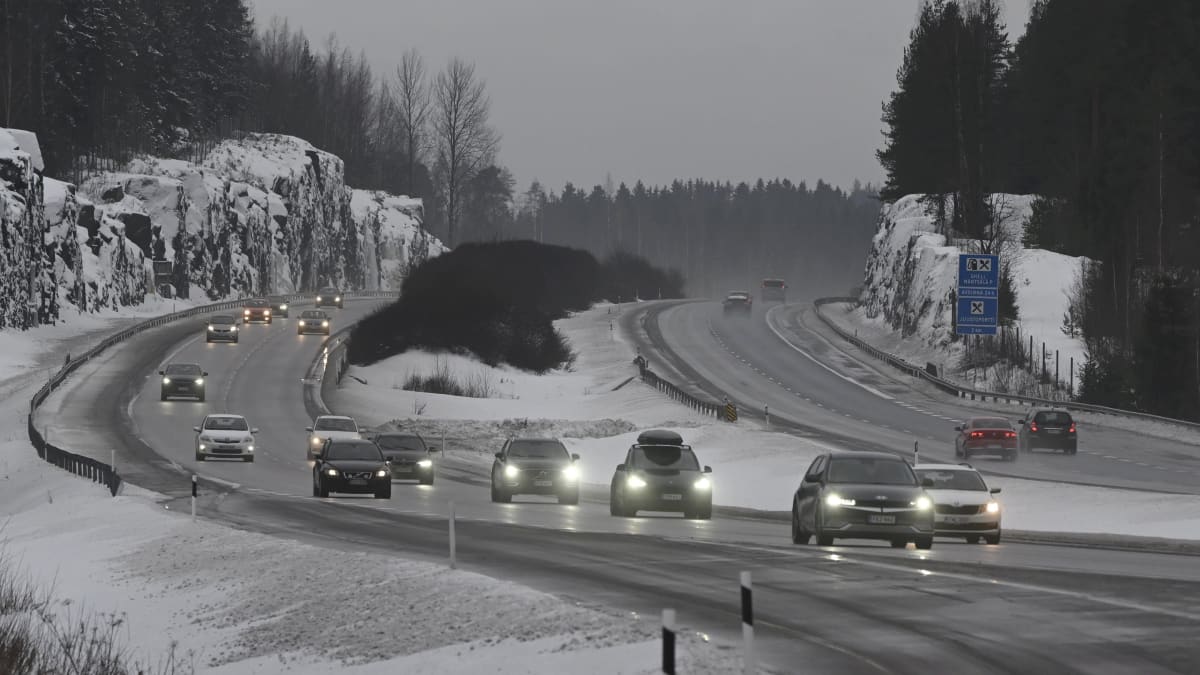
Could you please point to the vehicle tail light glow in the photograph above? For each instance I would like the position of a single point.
(976, 434)
(1072, 429)
(1033, 427)
(1010, 434)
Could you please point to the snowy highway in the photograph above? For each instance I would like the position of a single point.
(953, 608)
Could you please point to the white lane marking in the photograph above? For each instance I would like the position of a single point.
(810, 357)
(220, 481)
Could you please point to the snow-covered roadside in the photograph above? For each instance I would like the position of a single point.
(752, 466)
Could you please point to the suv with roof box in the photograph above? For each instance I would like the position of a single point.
(660, 473)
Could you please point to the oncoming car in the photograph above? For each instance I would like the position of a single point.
(329, 297)
(737, 302)
(279, 306)
(862, 495)
(962, 503)
(407, 454)
(182, 379)
(225, 436)
(222, 328)
(660, 473)
(986, 436)
(338, 427)
(351, 465)
(313, 321)
(257, 310)
(539, 466)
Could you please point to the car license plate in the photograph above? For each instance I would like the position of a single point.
(404, 469)
(955, 520)
(227, 447)
(357, 481)
(543, 483)
(1054, 431)
(881, 519)
(672, 498)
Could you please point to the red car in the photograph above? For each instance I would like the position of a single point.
(986, 436)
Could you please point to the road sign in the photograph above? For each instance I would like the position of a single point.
(978, 275)
(977, 316)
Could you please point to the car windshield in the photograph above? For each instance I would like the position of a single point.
(664, 457)
(538, 449)
(400, 442)
(875, 471)
(221, 318)
(335, 424)
(226, 424)
(183, 369)
(363, 451)
(329, 291)
(952, 480)
(256, 303)
(990, 423)
(773, 283)
(1053, 418)
(276, 300)
(310, 314)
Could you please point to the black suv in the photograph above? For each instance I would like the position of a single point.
(535, 466)
(862, 495)
(183, 379)
(409, 457)
(1048, 428)
(279, 306)
(222, 328)
(660, 473)
(329, 297)
(313, 321)
(351, 465)
(256, 310)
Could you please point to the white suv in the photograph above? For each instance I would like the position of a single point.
(329, 426)
(963, 506)
(225, 436)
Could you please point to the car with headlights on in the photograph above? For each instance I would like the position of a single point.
(353, 465)
(329, 296)
(225, 435)
(279, 306)
(660, 473)
(986, 436)
(222, 328)
(313, 321)
(737, 303)
(409, 457)
(325, 427)
(256, 310)
(1049, 429)
(537, 466)
(963, 505)
(862, 495)
(182, 380)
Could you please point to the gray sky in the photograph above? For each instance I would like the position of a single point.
(655, 89)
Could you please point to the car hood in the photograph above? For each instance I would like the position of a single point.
(355, 464)
(667, 476)
(871, 492)
(539, 465)
(406, 455)
(959, 497)
(236, 436)
(336, 434)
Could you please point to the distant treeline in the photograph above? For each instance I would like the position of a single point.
(1096, 108)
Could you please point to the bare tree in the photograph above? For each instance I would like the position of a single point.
(412, 109)
(465, 141)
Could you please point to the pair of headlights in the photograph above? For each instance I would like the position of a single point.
(324, 324)
(167, 380)
(637, 483)
(334, 473)
(211, 327)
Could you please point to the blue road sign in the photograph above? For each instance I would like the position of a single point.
(977, 316)
(978, 275)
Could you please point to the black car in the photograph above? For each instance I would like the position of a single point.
(257, 310)
(737, 303)
(537, 466)
(862, 495)
(279, 306)
(351, 465)
(660, 473)
(329, 297)
(184, 380)
(774, 290)
(1050, 429)
(407, 453)
(313, 321)
(222, 328)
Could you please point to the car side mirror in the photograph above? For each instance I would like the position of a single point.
(575, 456)
(387, 461)
(958, 428)
(1022, 422)
(254, 430)
(162, 372)
(308, 428)
(500, 456)
(204, 374)
(620, 467)
(995, 491)
(927, 482)
(707, 469)
(196, 429)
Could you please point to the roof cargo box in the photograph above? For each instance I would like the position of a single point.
(659, 437)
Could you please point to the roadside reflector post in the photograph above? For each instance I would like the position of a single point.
(113, 463)
(453, 547)
(747, 624)
(916, 453)
(668, 641)
(767, 413)
(194, 486)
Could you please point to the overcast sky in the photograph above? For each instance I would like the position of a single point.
(655, 89)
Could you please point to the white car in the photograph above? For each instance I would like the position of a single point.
(963, 505)
(337, 427)
(225, 436)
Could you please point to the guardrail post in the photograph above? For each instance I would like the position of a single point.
(668, 641)
(747, 625)
(916, 453)
(453, 543)
(767, 413)
(194, 490)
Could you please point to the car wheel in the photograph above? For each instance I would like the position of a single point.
(199, 456)
(163, 397)
(502, 497)
(899, 543)
(385, 493)
(316, 490)
(966, 454)
(612, 503)
(799, 536)
(248, 458)
(925, 543)
(235, 341)
(992, 539)
(569, 499)
(427, 481)
(208, 340)
(322, 490)
(705, 512)
(1010, 456)
(957, 450)
(1072, 451)
(824, 539)
(974, 539)
(200, 398)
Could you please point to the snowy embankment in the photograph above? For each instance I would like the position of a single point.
(905, 308)
(752, 467)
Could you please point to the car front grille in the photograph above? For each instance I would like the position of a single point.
(357, 475)
(948, 510)
(884, 503)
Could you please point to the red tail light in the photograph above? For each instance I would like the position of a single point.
(1010, 434)
(1033, 427)
(976, 434)
(1072, 429)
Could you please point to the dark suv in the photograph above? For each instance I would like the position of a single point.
(183, 379)
(1048, 428)
(329, 297)
(862, 495)
(660, 473)
(351, 465)
(256, 310)
(538, 466)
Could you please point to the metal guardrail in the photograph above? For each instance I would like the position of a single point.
(679, 395)
(332, 355)
(976, 394)
(93, 469)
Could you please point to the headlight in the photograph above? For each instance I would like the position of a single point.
(245, 312)
(571, 472)
(202, 446)
(233, 328)
(511, 471)
(425, 463)
(249, 448)
(316, 441)
(166, 380)
(923, 503)
(318, 298)
(301, 322)
(993, 507)
(331, 472)
(199, 380)
(267, 312)
(635, 482)
(382, 473)
(210, 326)
(324, 324)
(837, 500)
(338, 299)
(283, 306)
(702, 484)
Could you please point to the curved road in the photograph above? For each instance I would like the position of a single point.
(837, 609)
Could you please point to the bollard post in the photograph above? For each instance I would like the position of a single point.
(668, 641)
(113, 463)
(747, 625)
(916, 453)
(767, 413)
(453, 551)
(194, 485)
